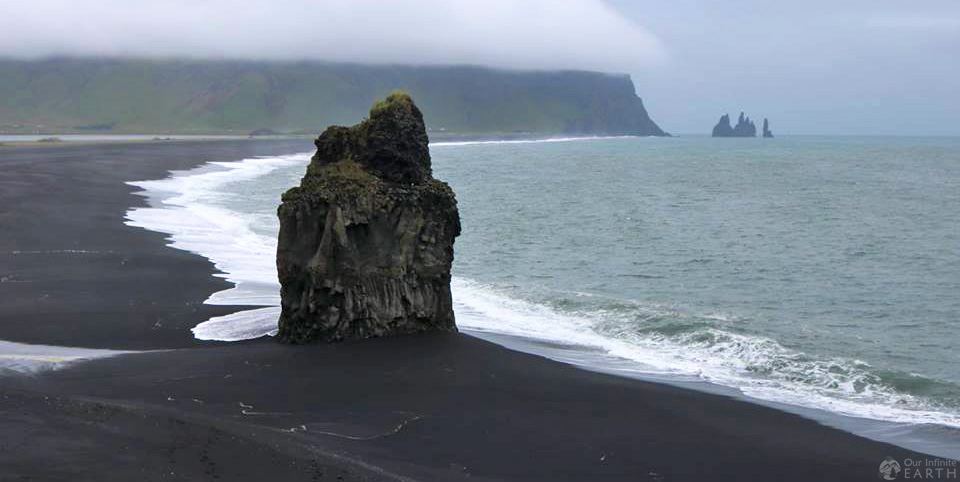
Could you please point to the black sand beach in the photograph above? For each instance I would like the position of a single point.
(430, 407)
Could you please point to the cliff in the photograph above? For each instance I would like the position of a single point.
(205, 96)
(767, 133)
(744, 128)
(366, 240)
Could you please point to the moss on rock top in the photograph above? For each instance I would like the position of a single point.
(391, 144)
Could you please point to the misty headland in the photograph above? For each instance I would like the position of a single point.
(102, 96)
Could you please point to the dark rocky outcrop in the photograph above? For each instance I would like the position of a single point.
(366, 240)
(766, 129)
(744, 128)
(723, 127)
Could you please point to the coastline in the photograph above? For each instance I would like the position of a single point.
(73, 139)
(437, 137)
(198, 211)
(75, 274)
(445, 407)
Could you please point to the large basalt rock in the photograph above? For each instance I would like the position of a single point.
(366, 240)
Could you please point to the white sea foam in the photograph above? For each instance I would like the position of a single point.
(243, 257)
(527, 141)
(759, 367)
(242, 325)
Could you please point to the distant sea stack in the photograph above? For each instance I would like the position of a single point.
(723, 127)
(366, 240)
(744, 128)
(766, 129)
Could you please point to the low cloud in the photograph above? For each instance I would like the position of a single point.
(530, 34)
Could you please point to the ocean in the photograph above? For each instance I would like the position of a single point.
(820, 274)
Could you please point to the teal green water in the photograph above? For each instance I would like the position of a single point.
(826, 263)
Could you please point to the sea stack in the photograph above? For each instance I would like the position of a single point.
(723, 127)
(366, 240)
(767, 133)
(744, 128)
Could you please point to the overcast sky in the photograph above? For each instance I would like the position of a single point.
(812, 66)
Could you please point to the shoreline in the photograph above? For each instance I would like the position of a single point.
(68, 254)
(437, 137)
(450, 407)
(74, 140)
(478, 409)
(929, 438)
(931, 432)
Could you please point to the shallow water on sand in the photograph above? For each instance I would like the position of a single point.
(822, 272)
(20, 358)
